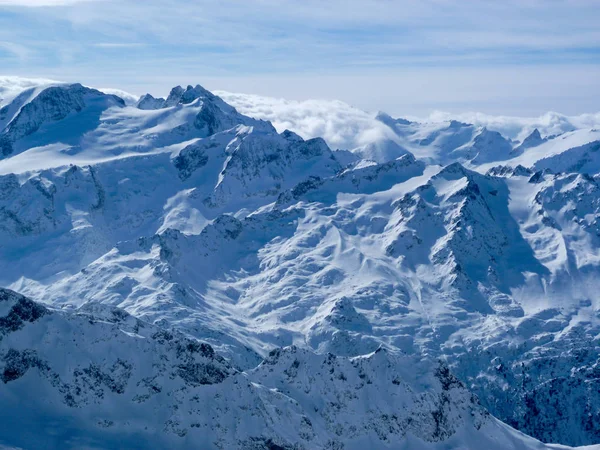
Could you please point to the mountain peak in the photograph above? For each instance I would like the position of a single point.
(454, 124)
(389, 120)
(51, 104)
(534, 139)
(179, 95)
(148, 102)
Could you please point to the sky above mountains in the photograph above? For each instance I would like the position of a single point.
(406, 57)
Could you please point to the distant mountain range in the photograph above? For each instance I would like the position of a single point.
(191, 277)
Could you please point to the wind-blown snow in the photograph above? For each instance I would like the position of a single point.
(10, 87)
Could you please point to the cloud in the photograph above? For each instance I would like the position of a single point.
(340, 124)
(347, 127)
(11, 86)
(18, 50)
(130, 99)
(342, 32)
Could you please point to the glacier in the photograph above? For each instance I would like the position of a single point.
(177, 273)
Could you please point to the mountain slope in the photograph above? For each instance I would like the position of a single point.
(111, 379)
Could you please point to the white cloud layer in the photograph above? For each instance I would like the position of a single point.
(129, 99)
(340, 124)
(346, 127)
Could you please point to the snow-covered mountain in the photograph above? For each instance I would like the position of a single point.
(268, 291)
(99, 378)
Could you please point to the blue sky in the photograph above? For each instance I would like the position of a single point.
(406, 57)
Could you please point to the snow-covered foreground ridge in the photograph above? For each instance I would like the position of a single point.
(113, 381)
(196, 279)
